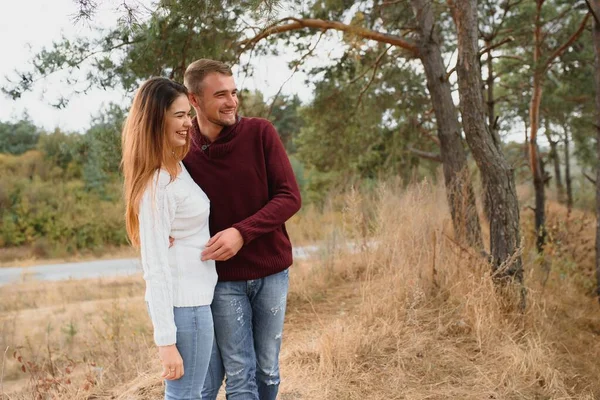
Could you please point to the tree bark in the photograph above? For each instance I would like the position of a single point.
(595, 6)
(459, 189)
(534, 119)
(491, 113)
(568, 180)
(490, 90)
(491, 100)
(498, 175)
(560, 189)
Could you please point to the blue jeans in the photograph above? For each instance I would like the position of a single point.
(195, 334)
(248, 318)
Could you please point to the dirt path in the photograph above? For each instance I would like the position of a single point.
(95, 269)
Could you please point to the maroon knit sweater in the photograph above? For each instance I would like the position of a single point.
(248, 178)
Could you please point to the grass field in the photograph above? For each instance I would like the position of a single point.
(414, 317)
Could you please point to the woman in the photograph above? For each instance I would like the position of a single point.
(162, 200)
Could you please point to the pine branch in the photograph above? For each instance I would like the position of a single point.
(558, 52)
(426, 155)
(507, 7)
(27, 80)
(589, 178)
(307, 54)
(517, 58)
(425, 132)
(375, 67)
(495, 46)
(390, 3)
(292, 24)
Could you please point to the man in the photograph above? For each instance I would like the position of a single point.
(241, 165)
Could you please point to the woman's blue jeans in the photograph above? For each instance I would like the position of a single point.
(195, 335)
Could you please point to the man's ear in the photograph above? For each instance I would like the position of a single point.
(193, 99)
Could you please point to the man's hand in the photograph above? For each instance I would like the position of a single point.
(223, 245)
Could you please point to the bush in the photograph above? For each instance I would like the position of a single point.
(18, 137)
(61, 215)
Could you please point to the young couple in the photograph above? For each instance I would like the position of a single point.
(206, 201)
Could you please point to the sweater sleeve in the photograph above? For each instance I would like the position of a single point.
(284, 193)
(157, 212)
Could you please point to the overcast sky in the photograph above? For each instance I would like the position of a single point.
(26, 26)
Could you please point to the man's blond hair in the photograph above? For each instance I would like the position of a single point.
(199, 69)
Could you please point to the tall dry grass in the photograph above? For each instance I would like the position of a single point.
(427, 320)
(403, 313)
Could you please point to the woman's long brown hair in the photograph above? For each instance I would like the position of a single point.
(146, 147)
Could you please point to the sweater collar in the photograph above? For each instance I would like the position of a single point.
(222, 144)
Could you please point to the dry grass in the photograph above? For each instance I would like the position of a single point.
(407, 315)
(73, 335)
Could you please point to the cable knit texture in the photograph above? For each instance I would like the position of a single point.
(176, 276)
(251, 185)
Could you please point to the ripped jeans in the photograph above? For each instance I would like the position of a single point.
(248, 318)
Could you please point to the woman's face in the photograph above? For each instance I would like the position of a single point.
(178, 121)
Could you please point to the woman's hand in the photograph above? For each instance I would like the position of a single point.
(172, 362)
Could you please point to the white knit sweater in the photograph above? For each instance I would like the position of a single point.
(176, 276)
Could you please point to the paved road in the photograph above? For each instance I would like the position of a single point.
(93, 269)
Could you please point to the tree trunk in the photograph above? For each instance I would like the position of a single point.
(491, 100)
(595, 5)
(534, 119)
(540, 194)
(568, 181)
(459, 189)
(560, 189)
(498, 175)
(491, 113)
(526, 143)
(490, 89)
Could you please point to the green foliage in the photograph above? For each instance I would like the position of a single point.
(252, 104)
(330, 9)
(286, 117)
(63, 152)
(61, 214)
(18, 137)
(283, 112)
(568, 84)
(363, 129)
(70, 331)
(51, 198)
(176, 33)
(573, 78)
(517, 155)
(103, 150)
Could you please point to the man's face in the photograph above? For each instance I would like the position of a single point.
(218, 101)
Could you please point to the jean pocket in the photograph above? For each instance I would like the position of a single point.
(283, 277)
